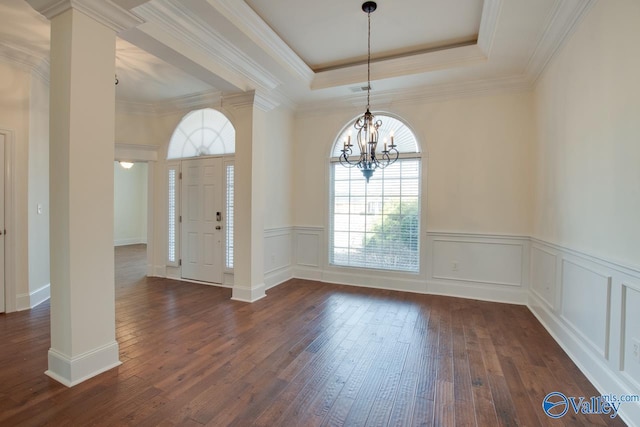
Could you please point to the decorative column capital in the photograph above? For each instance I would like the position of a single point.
(250, 98)
(104, 11)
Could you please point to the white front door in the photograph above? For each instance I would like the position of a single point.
(202, 225)
(2, 302)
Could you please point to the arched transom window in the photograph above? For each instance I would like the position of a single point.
(377, 224)
(205, 132)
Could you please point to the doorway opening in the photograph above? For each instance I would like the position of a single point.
(130, 205)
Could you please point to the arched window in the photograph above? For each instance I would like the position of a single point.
(377, 224)
(205, 132)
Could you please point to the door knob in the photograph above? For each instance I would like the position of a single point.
(218, 227)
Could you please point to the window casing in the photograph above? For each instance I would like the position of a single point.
(377, 225)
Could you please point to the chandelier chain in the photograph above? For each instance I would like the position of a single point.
(372, 155)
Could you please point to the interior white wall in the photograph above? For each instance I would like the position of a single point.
(587, 195)
(15, 86)
(586, 264)
(130, 204)
(278, 168)
(38, 207)
(476, 197)
(143, 128)
(476, 164)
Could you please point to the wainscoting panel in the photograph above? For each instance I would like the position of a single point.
(488, 267)
(307, 248)
(543, 274)
(495, 263)
(277, 256)
(586, 297)
(630, 343)
(595, 316)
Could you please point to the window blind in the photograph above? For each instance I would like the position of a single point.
(376, 225)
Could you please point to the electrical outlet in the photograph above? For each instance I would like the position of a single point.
(454, 266)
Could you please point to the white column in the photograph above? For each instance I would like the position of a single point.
(82, 136)
(81, 132)
(248, 257)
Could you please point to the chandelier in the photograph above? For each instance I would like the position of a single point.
(367, 127)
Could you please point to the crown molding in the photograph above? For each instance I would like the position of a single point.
(265, 102)
(250, 23)
(104, 11)
(211, 99)
(239, 100)
(442, 92)
(250, 99)
(561, 23)
(183, 25)
(191, 102)
(488, 25)
(26, 60)
(174, 105)
(507, 84)
(458, 56)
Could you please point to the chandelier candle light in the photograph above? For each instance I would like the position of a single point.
(367, 127)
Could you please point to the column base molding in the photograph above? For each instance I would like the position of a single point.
(70, 371)
(243, 294)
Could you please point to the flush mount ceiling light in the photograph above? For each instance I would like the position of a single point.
(126, 165)
(367, 126)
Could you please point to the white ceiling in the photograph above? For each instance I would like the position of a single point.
(308, 54)
(334, 32)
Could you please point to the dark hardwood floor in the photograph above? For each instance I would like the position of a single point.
(309, 354)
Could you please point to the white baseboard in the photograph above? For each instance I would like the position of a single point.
(381, 280)
(130, 241)
(478, 291)
(471, 290)
(244, 294)
(70, 371)
(159, 271)
(23, 302)
(33, 299)
(277, 277)
(39, 296)
(300, 272)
